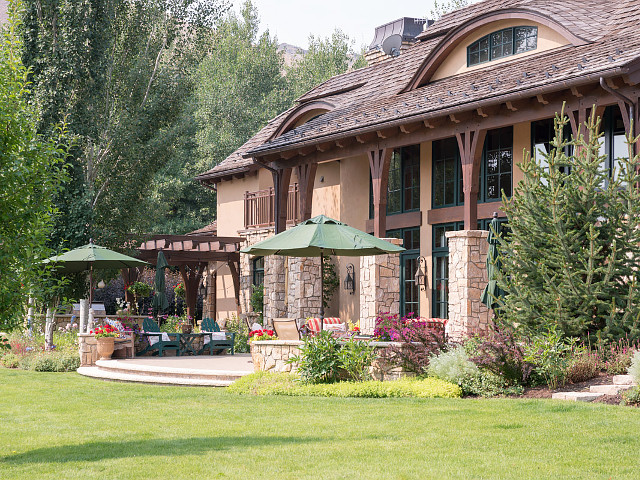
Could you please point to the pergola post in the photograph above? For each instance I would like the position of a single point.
(192, 279)
(379, 162)
(281, 181)
(234, 268)
(471, 144)
(129, 276)
(306, 174)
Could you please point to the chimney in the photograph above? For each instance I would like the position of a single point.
(394, 37)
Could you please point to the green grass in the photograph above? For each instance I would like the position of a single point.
(61, 425)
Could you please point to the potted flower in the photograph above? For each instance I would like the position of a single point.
(106, 337)
(180, 291)
(262, 335)
(185, 327)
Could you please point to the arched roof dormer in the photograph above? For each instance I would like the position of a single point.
(301, 115)
(449, 57)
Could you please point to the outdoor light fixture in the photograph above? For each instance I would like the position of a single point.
(421, 277)
(202, 290)
(350, 281)
(101, 284)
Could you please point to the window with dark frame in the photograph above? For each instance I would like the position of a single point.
(503, 43)
(542, 135)
(497, 168)
(403, 190)
(257, 268)
(447, 174)
(409, 291)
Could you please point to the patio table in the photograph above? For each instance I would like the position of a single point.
(189, 343)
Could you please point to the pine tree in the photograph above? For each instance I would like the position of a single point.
(570, 255)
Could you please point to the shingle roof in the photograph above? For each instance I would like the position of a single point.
(614, 43)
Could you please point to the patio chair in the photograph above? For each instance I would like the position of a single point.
(313, 324)
(217, 339)
(158, 341)
(286, 328)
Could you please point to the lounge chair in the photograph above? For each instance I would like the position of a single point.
(159, 341)
(286, 328)
(215, 341)
(313, 324)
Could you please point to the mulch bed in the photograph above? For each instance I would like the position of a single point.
(602, 379)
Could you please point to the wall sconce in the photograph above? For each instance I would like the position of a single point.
(421, 276)
(202, 290)
(350, 280)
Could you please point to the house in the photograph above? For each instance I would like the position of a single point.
(422, 142)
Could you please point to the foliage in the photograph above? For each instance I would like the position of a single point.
(257, 299)
(446, 6)
(267, 383)
(500, 353)
(173, 323)
(330, 281)
(323, 359)
(583, 365)
(631, 397)
(10, 360)
(234, 324)
(550, 356)
(55, 362)
(616, 356)
(483, 383)
(256, 335)
(105, 332)
(420, 340)
(634, 368)
(570, 254)
(32, 170)
(453, 365)
(180, 291)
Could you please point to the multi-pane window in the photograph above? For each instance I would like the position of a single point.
(447, 174)
(542, 135)
(403, 190)
(503, 43)
(498, 164)
(440, 254)
(409, 291)
(258, 271)
(614, 145)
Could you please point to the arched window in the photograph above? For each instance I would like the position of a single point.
(503, 43)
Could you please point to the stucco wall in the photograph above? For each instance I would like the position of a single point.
(426, 231)
(456, 61)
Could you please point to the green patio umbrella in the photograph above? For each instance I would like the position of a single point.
(492, 292)
(320, 236)
(90, 257)
(160, 301)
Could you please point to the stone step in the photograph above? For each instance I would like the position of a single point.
(576, 396)
(105, 374)
(623, 380)
(609, 389)
(123, 367)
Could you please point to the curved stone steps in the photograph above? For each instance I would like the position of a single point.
(620, 383)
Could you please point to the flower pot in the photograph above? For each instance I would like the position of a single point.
(105, 347)
(187, 328)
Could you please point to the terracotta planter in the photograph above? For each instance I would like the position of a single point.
(105, 347)
(187, 328)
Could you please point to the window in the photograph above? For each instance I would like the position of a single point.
(440, 254)
(503, 43)
(447, 174)
(542, 134)
(403, 190)
(257, 268)
(409, 292)
(615, 143)
(497, 165)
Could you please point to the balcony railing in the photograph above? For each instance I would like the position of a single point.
(259, 207)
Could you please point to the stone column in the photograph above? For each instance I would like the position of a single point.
(246, 274)
(88, 349)
(467, 278)
(303, 290)
(379, 287)
(274, 287)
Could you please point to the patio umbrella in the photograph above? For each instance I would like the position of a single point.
(320, 236)
(160, 301)
(492, 292)
(90, 257)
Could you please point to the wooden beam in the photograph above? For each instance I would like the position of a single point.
(379, 162)
(428, 124)
(576, 93)
(511, 107)
(344, 143)
(541, 99)
(453, 118)
(409, 128)
(306, 174)
(481, 113)
(470, 145)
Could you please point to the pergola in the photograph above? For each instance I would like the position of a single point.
(191, 254)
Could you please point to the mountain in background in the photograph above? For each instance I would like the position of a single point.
(292, 54)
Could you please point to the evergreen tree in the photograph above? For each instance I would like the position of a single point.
(571, 253)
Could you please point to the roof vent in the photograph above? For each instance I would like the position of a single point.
(392, 38)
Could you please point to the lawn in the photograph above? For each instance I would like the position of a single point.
(61, 425)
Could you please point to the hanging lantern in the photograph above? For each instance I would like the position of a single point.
(350, 281)
(421, 277)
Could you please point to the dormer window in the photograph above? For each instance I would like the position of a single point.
(503, 43)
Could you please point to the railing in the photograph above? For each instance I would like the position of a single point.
(259, 207)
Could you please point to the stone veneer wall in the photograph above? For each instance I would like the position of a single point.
(304, 287)
(379, 287)
(275, 284)
(88, 347)
(467, 278)
(273, 355)
(276, 291)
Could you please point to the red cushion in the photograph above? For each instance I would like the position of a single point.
(313, 324)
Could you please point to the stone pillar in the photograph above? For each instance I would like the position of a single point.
(304, 285)
(88, 349)
(246, 274)
(209, 303)
(275, 273)
(467, 278)
(379, 287)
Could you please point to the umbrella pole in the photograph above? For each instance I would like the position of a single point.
(321, 289)
(91, 286)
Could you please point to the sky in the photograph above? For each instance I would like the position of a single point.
(294, 20)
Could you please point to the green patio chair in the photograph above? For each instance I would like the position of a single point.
(159, 345)
(209, 325)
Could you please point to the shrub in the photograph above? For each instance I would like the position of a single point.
(486, 384)
(452, 366)
(617, 355)
(500, 353)
(237, 326)
(25, 363)
(583, 365)
(55, 362)
(634, 368)
(323, 359)
(421, 339)
(550, 356)
(631, 397)
(256, 300)
(266, 383)
(10, 360)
